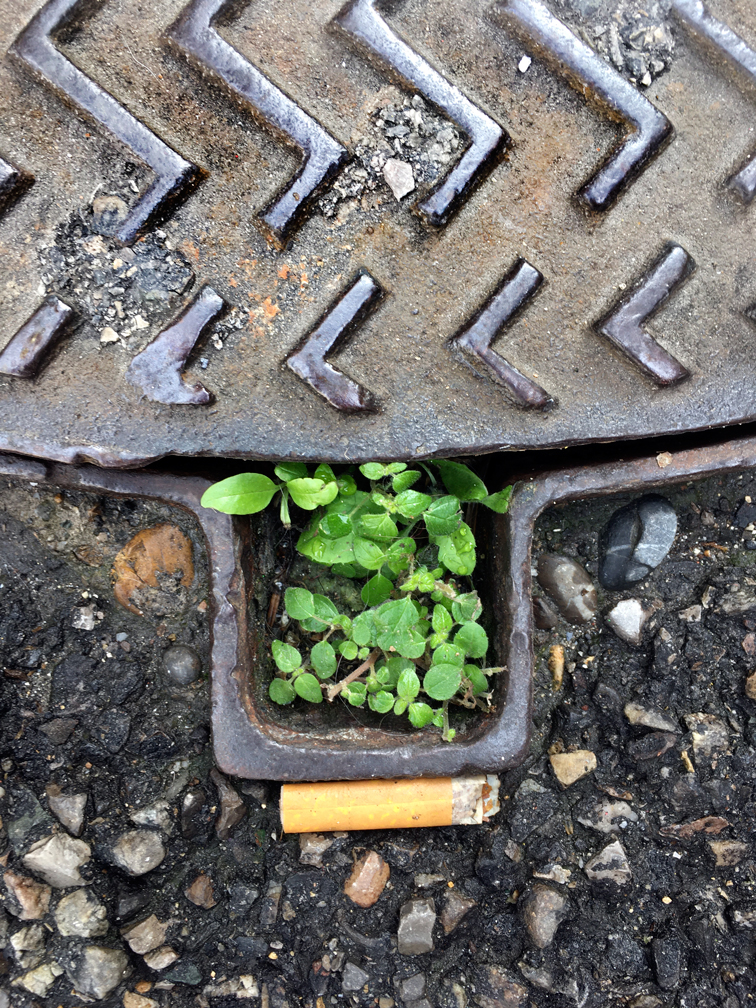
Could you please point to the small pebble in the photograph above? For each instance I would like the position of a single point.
(96, 971)
(638, 715)
(138, 851)
(81, 914)
(456, 906)
(543, 912)
(57, 860)
(635, 541)
(569, 586)
(416, 920)
(524, 65)
(571, 766)
(182, 664)
(710, 735)
(627, 619)
(610, 864)
(146, 936)
(368, 880)
(312, 847)
(399, 177)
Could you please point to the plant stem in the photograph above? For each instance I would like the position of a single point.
(333, 691)
(285, 516)
(445, 735)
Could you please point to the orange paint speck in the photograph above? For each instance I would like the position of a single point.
(270, 309)
(283, 271)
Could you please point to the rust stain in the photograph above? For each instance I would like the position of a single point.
(162, 549)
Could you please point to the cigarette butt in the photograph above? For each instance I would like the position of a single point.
(388, 804)
(556, 665)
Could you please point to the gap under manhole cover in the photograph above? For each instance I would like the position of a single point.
(345, 233)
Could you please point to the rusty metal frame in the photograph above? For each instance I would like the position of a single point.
(248, 743)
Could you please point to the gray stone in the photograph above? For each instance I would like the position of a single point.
(108, 213)
(113, 729)
(649, 718)
(28, 945)
(81, 914)
(145, 936)
(158, 815)
(635, 541)
(456, 906)
(232, 806)
(138, 851)
(610, 864)
(668, 955)
(495, 987)
(710, 735)
(312, 847)
(627, 619)
(185, 971)
(398, 175)
(37, 981)
(161, 958)
(182, 664)
(59, 729)
(569, 586)
(353, 978)
(57, 860)
(606, 817)
(69, 809)
(416, 920)
(544, 911)
(412, 988)
(97, 971)
(29, 900)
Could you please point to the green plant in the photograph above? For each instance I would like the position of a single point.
(418, 638)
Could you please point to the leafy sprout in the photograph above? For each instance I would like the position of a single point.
(417, 647)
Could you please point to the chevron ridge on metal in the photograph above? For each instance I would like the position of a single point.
(622, 325)
(25, 352)
(595, 79)
(176, 177)
(194, 33)
(13, 183)
(700, 22)
(516, 289)
(157, 370)
(361, 22)
(308, 361)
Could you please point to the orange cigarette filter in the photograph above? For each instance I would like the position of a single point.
(387, 804)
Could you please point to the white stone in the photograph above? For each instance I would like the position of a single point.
(145, 936)
(161, 958)
(571, 766)
(138, 851)
(158, 815)
(81, 914)
(524, 65)
(610, 864)
(40, 980)
(68, 808)
(97, 970)
(636, 714)
(399, 177)
(710, 735)
(109, 335)
(627, 619)
(607, 817)
(692, 614)
(57, 860)
(84, 618)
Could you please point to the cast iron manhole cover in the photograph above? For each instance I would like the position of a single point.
(207, 251)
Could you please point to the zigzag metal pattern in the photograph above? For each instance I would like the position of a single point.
(696, 17)
(308, 360)
(592, 76)
(517, 288)
(26, 350)
(175, 176)
(623, 323)
(13, 182)
(194, 33)
(361, 22)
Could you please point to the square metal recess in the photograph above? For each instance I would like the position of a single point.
(250, 740)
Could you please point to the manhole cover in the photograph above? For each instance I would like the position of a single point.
(380, 230)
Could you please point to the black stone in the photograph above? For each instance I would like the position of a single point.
(635, 541)
(745, 515)
(668, 954)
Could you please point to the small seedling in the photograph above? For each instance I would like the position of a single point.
(417, 646)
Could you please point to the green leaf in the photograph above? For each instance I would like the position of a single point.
(363, 629)
(408, 685)
(457, 551)
(383, 500)
(346, 485)
(311, 493)
(363, 653)
(404, 480)
(442, 621)
(443, 516)
(347, 570)
(448, 654)
(368, 553)
(281, 692)
(499, 501)
(377, 590)
(478, 680)
(421, 580)
(410, 503)
(381, 702)
(438, 717)
(290, 470)
(398, 627)
(399, 552)
(333, 526)
(400, 706)
(325, 473)
(286, 657)
(472, 639)
(420, 714)
(380, 527)
(442, 681)
(373, 470)
(348, 649)
(308, 687)
(246, 493)
(355, 693)
(467, 607)
(314, 612)
(461, 481)
(323, 659)
(395, 467)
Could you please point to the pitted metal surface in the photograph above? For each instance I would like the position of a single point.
(224, 125)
